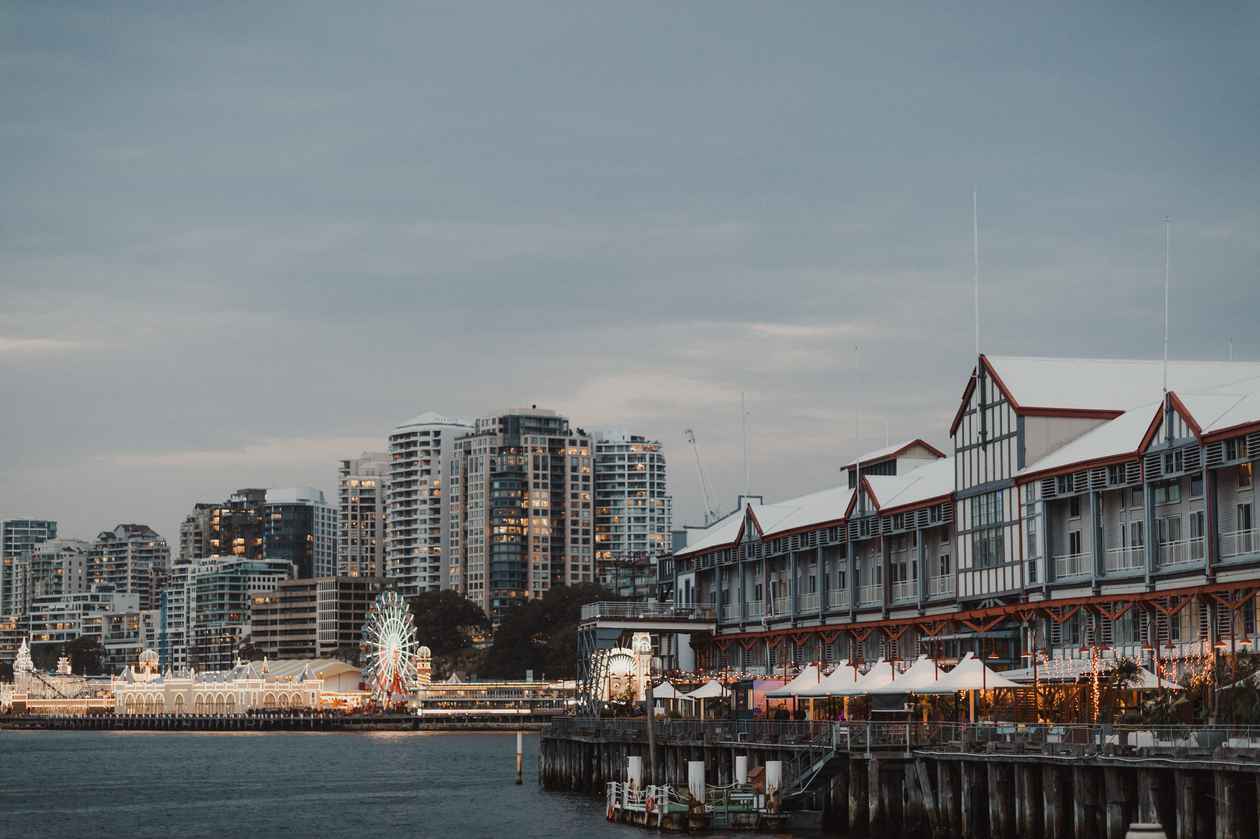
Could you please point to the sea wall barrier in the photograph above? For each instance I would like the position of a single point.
(972, 781)
(264, 722)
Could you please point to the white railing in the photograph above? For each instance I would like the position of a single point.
(838, 598)
(1239, 543)
(903, 590)
(752, 609)
(1181, 552)
(871, 594)
(807, 602)
(942, 585)
(1070, 565)
(780, 606)
(1117, 560)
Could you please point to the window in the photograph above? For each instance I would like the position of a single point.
(1135, 498)
(1074, 507)
(1168, 493)
(1196, 486)
(988, 549)
(1197, 522)
(1173, 462)
(1074, 542)
(1115, 474)
(1063, 484)
(943, 565)
(1169, 529)
(1137, 532)
(945, 536)
(1234, 449)
(1244, 476)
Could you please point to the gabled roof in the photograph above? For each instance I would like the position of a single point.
(721, 534)
(1121, 437)
(1102, 387)
(929, 482)
(434, 418)
(893, 451)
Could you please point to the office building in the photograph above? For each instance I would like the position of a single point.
(417, 505)
(361, 515)
(205, 615)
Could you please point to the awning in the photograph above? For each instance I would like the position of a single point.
(808, 678)
(711, 689)
(922, 674)
(970, 674)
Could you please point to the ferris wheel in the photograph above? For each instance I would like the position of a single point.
(389, 648)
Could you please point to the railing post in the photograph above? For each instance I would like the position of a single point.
(868, 737)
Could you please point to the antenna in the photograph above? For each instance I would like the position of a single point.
(710, 514)
(975, 254)
(1231, 349)
(743, 416)
(1167, 274)
(857, 430)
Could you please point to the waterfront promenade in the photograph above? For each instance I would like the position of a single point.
(983, 781)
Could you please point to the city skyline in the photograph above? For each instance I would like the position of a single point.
(763, 195)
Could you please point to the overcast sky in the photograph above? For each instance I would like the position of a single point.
(239, 243)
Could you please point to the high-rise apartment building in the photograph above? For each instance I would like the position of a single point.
(239, 525)
(301, 527)
(60, 566)
(214, 608)
(361, 485)
(521, 508)
(61, 618)
(131, 559)
(633, 511)
(417, 504)
(194, 533)
(17, 538)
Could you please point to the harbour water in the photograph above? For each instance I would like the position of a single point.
(139, 784)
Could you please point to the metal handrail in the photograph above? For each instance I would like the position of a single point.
(1240, 543)
(646, 611)
(1070, 565)
(1125, 558)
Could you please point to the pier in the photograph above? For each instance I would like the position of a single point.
(985, 781)
(269, 722)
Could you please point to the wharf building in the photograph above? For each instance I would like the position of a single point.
(361, 488)
(314, 618)
(633, 512)
(521, 508)
(17, 539)
(1084, 507)
(417, 505)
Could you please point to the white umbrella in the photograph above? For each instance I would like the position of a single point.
(808, 678)
(970, 674)
(665, 690)
(922, 674)
(880, 674)
(712, 689)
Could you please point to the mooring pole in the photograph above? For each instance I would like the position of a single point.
(651, 732)
(520, 759)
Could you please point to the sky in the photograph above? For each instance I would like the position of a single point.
(242, 241)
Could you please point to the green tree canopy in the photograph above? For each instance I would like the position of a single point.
(541, 635)
(446, 621)
(87, 656)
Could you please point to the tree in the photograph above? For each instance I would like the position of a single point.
(446, 621)
(349, 653)
(541, 635)
(248, 652)
(87, 656)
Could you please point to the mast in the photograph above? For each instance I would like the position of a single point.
(975, 256)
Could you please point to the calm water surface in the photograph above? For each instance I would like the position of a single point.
(136, 784)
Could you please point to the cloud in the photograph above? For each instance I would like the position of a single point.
(296, 451)
(38, 346)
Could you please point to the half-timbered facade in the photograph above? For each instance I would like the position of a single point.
(1082, 505)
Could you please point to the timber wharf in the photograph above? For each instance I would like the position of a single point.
(978, 781)
(266, 722)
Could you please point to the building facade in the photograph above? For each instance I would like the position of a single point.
(206, 619)
(521, 496)
(130, 559)
(194, 533)
(633, 512)
(238, 526)
(57, 619)
(417, 503)
(1083, 508)
(361, 492)
(18, 537)
(301, 528)
(313, 618)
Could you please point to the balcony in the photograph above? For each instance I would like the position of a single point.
(872, 595)
(1124, 560)
(779, 606)
(904, 591)
(752, 610)
(1180, 554)
(1071, 565)
(807, 603)
(1239, 543)
(838, 598)
(942, 586)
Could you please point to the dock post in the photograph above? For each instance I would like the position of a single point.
(1229, 823)
(741, 769)
(915, 811)
(1085, 805)
(948, 797)
(1030, 820)
(1000, 801)
(1120, 802)
(520, 759)
(1187, 804)
(858, 806)
(1053, 806)
(974, 811)
(874, 797)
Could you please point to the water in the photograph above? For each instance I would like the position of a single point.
(138, 784)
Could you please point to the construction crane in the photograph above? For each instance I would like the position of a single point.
(710, 515)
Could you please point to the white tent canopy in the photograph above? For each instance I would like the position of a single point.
(970, 674)
(665, 690)
(880, 674)
(711, 689)
(841, 678)
(809, 677)
(924, 673)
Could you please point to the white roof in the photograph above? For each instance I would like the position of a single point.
(969, 674)
(922, 674)
(711, 689)
(721, 533)
(805, 511)
(1072, 669)
(841, 679)
(1118, 436)
(434, 418)
(886, 451)
(808, 678)
(1104, 384)
(880, 674)
(929, 481)
(666, 690)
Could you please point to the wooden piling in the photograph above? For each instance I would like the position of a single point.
(874, 798)
(859, 808)
(1121, 808)
(947, 793)
(1229, 818)
(1054, 807)
(1029, 820)
(1001, 800)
